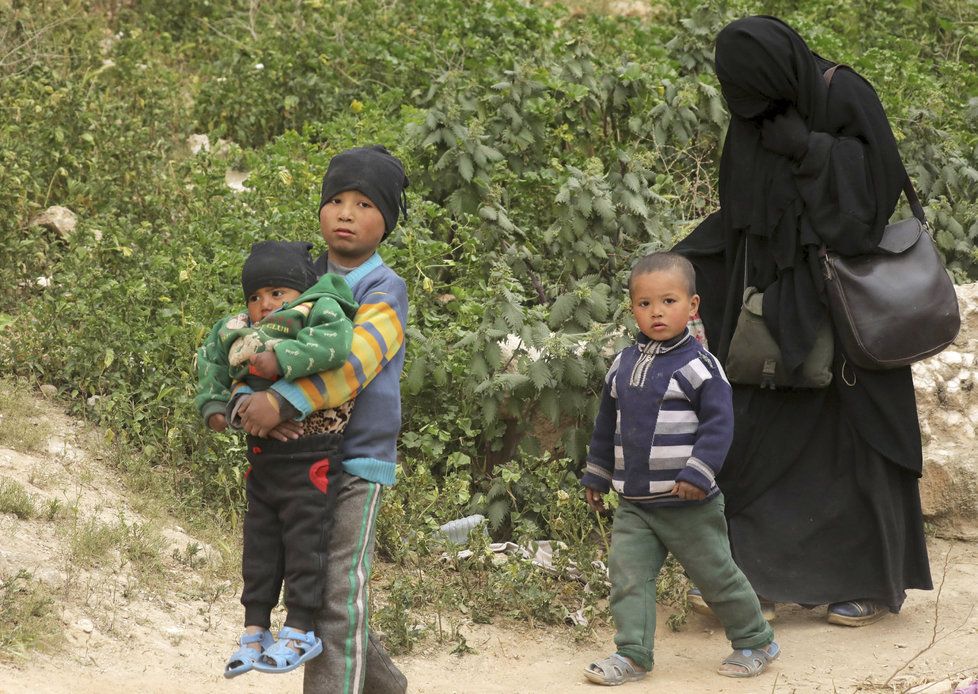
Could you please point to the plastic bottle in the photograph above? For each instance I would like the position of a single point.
(457, 531)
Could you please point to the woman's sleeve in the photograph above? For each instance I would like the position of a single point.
(850, 180)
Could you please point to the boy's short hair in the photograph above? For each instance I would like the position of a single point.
(664, 260)
(373, 171)
(278, 264)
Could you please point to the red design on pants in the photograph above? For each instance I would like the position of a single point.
(317, 474)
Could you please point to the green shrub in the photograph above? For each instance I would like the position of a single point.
(14, 499)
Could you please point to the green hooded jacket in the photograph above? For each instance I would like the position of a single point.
(310, 334)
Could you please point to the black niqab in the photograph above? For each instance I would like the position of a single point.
(764, 67)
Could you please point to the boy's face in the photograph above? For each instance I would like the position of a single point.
(352, 227)
(661, 303)
(268, 299)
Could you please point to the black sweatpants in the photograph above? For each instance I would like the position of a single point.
(289, 489)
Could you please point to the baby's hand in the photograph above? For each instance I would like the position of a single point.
(594, 499)
(265, 365)
(688, 492)
(217, 422)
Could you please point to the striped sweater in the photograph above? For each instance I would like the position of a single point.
(666, 415)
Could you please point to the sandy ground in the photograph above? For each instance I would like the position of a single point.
(122, 636)
(928, 642)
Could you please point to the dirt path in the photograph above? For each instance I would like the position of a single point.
(121, 635)
(817, 657)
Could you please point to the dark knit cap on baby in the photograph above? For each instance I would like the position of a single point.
(373, 171)
(278, 264)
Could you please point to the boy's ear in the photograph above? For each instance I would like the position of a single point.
(694, 304)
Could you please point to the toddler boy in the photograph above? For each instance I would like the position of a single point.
(294, 326)
(663, 429)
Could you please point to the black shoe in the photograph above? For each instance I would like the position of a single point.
(855, 613)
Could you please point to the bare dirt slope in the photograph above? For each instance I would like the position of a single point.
(168, 626)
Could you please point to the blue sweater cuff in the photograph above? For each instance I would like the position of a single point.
(293, 394)
(696, 478)
(373, 470)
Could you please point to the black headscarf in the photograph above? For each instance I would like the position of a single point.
(373, 171)
(785, 209)
(278, 264)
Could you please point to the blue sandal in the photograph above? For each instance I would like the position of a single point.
(283, 657)
(749, 662)
(244, 659)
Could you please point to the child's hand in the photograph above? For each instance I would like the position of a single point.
(594, 499)
(260, 415)
(688, 492)
(265, 365)
(287, 430)
(217, 422)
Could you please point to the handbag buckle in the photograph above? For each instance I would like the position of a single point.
(767, 374)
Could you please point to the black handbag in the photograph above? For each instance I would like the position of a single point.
(896, 305)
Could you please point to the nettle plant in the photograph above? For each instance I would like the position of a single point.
(555, 173)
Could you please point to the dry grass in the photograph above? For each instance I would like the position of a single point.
(24, 424)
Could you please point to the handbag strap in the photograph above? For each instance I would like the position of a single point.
(746, 241)
(908, 189)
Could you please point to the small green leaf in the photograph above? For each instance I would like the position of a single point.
(540, 374)
(562, 309)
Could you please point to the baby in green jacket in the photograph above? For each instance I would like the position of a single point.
(294, 326)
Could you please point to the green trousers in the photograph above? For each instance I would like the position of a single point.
(641, 539)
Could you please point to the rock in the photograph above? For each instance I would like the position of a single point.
(235, 180)
(60, 220)
(630, 8)
(949, 490)
(173, 634)
(947, 407)
(202, 143)
(85, 625)
(199, 143)
(49, 391)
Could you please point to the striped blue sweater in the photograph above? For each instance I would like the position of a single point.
(666, 415)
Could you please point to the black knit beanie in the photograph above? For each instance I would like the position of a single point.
(373, 171)
(278, 264)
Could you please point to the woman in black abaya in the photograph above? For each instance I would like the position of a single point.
(820, 485)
